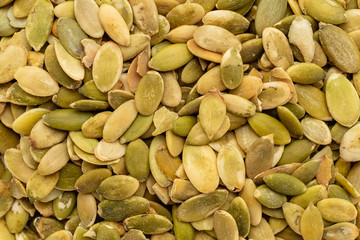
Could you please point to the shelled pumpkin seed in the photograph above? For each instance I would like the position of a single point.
(179, 119)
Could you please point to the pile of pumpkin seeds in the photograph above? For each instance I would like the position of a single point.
(174, 119)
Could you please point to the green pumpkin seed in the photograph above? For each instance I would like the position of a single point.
(201, 206)
(148, 223)
(18, 56)
(94, 126)
(182, 230)
(336, 210)
(340, 48)
(344, 94)
(164, 59)
(231, 69)
(122, 209)
(70, 35)
(348, 145)
(119, 117)
(114, 24)
(38, 24)
(285, 184)
(335, 13)
(90, 181)
(145, 16)
(86, 12)
(46, 226)
(86, 209)
(16, 165)
(39, 186)
(8, 138)
(313, 101)
(255, 162)
(269, 198)
(335, 191)
(64, 204)
(126, 186)
(316, 130)
(240, 213)
(268, 13)
(231, 21)
(42, 136)
(313, 194)
(6, 199)
(68, 176)
(185, 14)
(47, 165)
(341, 231)
(277, 47)
(204, 177)
(261, 231)
(264, 124)
(107, 66)
(43, 86)
(204, 37)
(311, 223)
(55, 70)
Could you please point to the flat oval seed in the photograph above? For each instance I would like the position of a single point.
(342, 100)
(277, 48)
(290, 121)
(225, 226)
(137, 160)
(260, 156)
(119, 210)
(36, 81)
(340, 48)
(86, 209)
(201, 206)
(231, 69)
(6, 199)
(118, 187)
(26, 121)
(94, 126)
(231, 21)
(285, 184)
(82, 142)
(66, 119)
(40, 186)
(42, 136)
(313, 194)
(114, 24)
(292, 214)
(313, 101)
(216, 39)
(16, 165)
(240, 212)
(239, 106)
(212, 113)
(185, 14)
(274, 94)
(349, 150)
(164, 60)
(311, 224)
(306, 73)
(48, 165)
(341, 231)
(231, 168)
(316, 131)
(140, 125)
(107, 66)
(86, 13)
(105, 151)
(90, 181)
(70, 65)
(38, 23)
(149, 93)
(121, 119)
(11, 59)
(337, 210)
(149, 223)
(268, 197)
(70, 35)
(56, 72)
(145, 16)
(261, 231)
(200, 166)
(268, 13)
(327, 11)
(264, 124)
